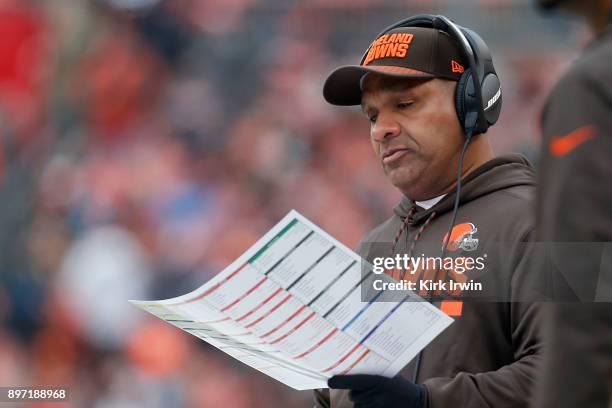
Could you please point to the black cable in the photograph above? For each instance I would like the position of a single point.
(468, 138)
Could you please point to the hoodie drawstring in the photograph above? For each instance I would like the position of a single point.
(404, 226)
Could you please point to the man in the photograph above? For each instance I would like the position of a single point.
(575, 206)
(489, 355)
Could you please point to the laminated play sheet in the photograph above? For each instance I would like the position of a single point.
(292, 307)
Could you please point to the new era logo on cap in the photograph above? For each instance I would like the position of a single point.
(457, 67)
(411, 52)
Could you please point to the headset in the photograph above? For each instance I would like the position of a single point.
(478, 94)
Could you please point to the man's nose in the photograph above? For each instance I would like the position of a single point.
(385, 127)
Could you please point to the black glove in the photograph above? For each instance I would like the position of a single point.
(375, 391)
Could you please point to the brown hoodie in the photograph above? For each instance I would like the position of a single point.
(488, 356)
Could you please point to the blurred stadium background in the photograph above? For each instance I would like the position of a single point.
(146, 143)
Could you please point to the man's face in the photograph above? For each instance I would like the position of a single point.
(414, 131)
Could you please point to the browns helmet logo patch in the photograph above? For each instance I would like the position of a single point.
(462, 237)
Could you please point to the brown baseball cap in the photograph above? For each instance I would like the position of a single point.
(408, 52)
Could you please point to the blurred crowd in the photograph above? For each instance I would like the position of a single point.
(144, 144)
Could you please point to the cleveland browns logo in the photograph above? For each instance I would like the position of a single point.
(462, 237)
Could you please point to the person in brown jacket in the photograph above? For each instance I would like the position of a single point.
(574, 218)
(429, 90)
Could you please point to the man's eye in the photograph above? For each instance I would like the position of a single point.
(404, 105)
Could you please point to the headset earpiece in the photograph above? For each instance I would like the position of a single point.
(460, 96)
(485, 101)
(468, 105)
(491, 98)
